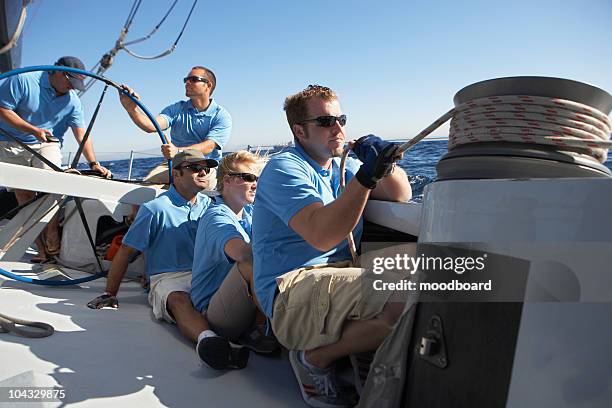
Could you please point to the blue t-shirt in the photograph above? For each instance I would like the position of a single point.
(210, 263)
(32, 97)
(188, 126)
(289, 182)
(165, 230)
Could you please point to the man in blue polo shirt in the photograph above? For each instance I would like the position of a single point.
(165, 230)
(302, 265)
(198, 123)
(222, 265)
(37, 108)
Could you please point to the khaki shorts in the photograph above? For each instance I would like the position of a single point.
(314, 303)
(162, 285)
(231, 310)
(14, 153)
(159, 176)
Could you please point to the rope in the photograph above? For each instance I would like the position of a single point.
(518, 118)
(15, 37)
(172, 47)
(107, 59)
(535, 120)
(9, 324)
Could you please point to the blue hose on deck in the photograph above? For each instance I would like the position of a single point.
(50, 283)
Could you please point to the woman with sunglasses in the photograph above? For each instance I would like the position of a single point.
(222, 268)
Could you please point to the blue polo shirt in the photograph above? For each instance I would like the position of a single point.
(188, 126)
(288, 183)
(165, 230)
(32, 97)
(210, 263)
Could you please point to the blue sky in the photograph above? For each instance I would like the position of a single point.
(395, 64)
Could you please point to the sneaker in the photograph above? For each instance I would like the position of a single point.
(361, 367)
(218, 353)
(318, 385)
(258, 341)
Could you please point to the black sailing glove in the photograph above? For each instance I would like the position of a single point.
(104, 301)
(378, 157)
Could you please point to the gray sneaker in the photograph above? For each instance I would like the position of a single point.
(361, 363)
(318, 386)
(258, 341)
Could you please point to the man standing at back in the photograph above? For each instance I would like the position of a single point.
(303, 276)
(36, 109)
(198, 123)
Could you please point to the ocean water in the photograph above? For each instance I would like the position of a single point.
(418, 162)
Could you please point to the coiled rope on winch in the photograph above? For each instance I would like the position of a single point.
(535, 120)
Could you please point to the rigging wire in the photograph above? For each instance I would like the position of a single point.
(108, 59)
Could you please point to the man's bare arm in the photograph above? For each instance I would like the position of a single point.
(394, 187)
(15, 121)
(118, 269)
(239, 250)
(325, 226)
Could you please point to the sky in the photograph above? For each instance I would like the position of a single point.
(396, 65)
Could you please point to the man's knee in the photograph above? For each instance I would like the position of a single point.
(24, 195)
(391, 313)
(178, 300)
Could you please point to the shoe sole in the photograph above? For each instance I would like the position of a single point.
(219, 354)
(313, 402)
(265, 351)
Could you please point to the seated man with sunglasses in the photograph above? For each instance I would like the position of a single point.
(303, 276)
(198, 123)
(165, 231)
(222, 264)
(36, 110)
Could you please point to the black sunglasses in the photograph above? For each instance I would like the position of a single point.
(195, 78)
(248, 177)
(196, 168)
(326, 121)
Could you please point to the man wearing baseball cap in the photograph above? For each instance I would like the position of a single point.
(36, 108)
(165, 230)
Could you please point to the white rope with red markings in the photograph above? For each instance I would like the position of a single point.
(526, 119)
(535, 120)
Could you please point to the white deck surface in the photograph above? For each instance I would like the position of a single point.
(124, 357)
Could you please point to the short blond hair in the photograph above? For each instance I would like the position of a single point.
(295, 105)
(230, 162)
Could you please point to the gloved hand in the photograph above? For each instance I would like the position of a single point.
(378, 157)
(105, 300)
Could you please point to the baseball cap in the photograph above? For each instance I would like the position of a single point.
(192, 156)
(75, 79)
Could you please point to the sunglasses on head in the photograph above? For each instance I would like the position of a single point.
(195, 78)
(248, 177)
(326, 121)
(196, 168)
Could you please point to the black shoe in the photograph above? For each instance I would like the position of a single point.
(258, 341)
(218, 353)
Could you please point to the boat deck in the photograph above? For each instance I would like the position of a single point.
(123, 357)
